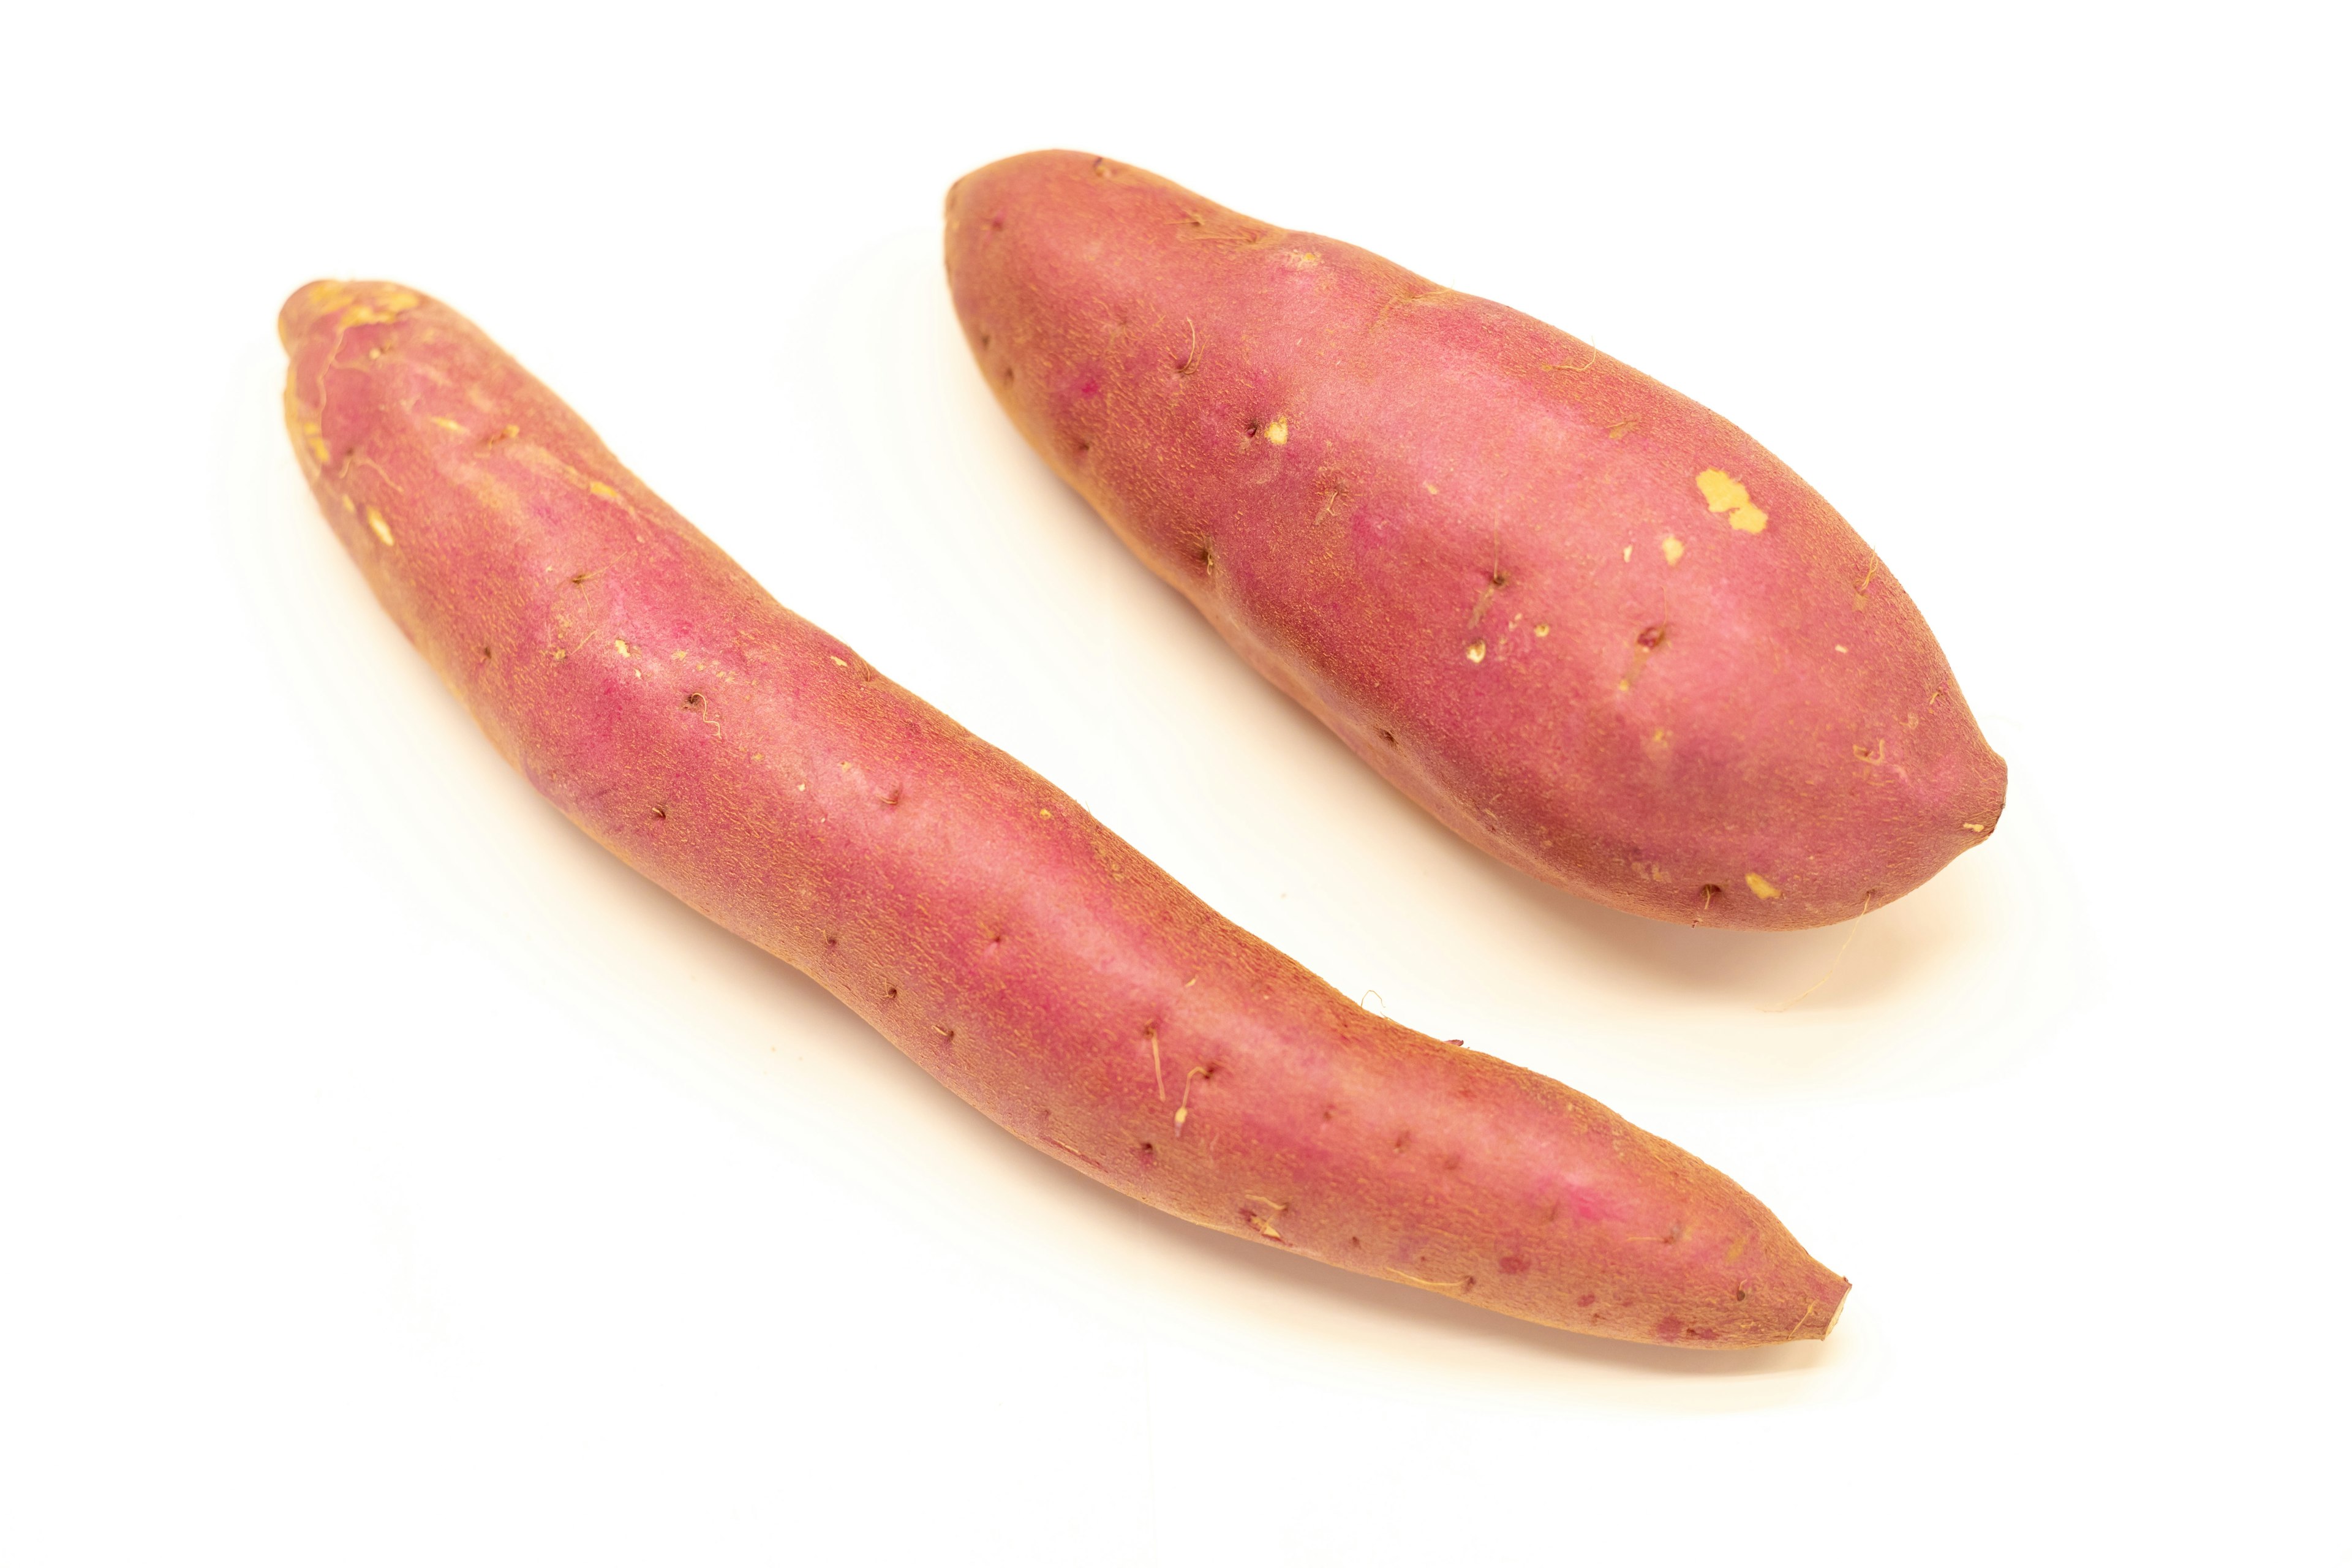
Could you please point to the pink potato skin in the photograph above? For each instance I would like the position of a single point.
(1592, 627)
(1011, 944)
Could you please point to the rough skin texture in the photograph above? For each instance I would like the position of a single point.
(988, 927)
(1595, 628)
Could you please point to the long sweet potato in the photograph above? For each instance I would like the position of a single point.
(1595, 628)
(972, 913)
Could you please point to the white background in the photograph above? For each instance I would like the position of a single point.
(386, 1176)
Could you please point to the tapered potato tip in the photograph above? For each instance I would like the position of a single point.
(1845, 1289)
(1785, 1293)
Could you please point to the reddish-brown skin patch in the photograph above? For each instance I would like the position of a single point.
(971, 912)
(1593, 628)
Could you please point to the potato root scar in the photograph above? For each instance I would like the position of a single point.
(1184, 1106)
(1862, 589)
(1646, 642)
(1264, 1225)
(1457, 1287)
(1853, 931)
(1075, 1153)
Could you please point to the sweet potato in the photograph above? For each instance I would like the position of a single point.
(974, 914)
(1595, 628)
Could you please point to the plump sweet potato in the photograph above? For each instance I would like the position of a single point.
(1595, 629)
(989, 928)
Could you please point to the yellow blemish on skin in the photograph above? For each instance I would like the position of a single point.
(1043, 812)
(1301, 260)
(621, 645)
(1672, 549)
(1543, 629)
(1761, 888)
(843, 662)
(1726, 494)
(1629, 552)
(1476, 651)
(599, 487)
(380, 528)
(348, 506)
(1430, 488)
(1278, 430)
(448, 425)
(1974, 827)
(316, 442)
(1839, 646)
(385, 307)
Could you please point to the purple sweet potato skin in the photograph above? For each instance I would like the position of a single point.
(1012, 946)
(1596, 629)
